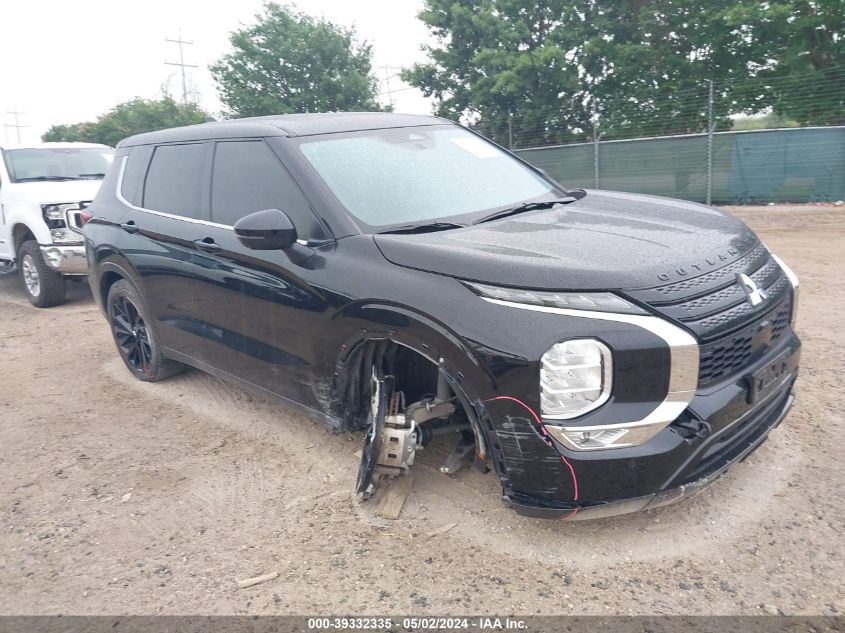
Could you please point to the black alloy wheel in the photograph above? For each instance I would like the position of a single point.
(131, 336)
(134, 336)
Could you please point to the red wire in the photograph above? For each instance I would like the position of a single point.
(545, 434)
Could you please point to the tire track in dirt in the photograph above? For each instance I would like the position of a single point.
(263, 486)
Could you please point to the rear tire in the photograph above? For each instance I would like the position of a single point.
(136, 340)
(44, 286)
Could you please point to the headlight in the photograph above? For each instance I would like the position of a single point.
(63, 229)
(600, 301)
(793, 279)
(55, 211)
(576, 377)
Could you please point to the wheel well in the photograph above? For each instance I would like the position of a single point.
(415, 375)
(106, 282)
(21, 234)
(428, 395)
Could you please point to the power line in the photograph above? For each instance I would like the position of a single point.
(17, 124)
(181, 63)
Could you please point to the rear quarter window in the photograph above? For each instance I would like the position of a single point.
(132, 187)
(174, 182)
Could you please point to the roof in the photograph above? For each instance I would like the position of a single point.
(285, 125)
(53, 146)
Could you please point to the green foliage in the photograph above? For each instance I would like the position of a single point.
(534, 70)
(504, 65)
(291, 62)
(128, 118)
(72, 132)
(807, 40)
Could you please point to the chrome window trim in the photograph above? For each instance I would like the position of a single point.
(683, 354)
(119, 194)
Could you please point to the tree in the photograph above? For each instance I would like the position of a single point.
(537, 71)
(128, 118)
(807, 78)
(71, 132)
(291, 62)
(504, 66)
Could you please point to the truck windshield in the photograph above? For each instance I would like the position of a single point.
(36, 164)
(400, 176)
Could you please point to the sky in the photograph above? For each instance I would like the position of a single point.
(70, 61)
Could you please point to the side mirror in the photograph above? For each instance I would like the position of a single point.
(268, 230)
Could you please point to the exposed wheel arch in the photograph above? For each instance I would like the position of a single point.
(21, 233)
(417, 370)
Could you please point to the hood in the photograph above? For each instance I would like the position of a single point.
(48, 192)
(605, 241)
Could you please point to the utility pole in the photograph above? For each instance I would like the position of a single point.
(387, 77)
(708, 196)
(181, 63)
(510, 130)
(17, 124)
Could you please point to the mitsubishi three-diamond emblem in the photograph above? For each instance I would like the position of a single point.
(756, 295)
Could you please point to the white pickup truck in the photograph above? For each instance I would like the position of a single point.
(44, 190)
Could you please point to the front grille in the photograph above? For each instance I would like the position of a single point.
(74, 223)
(732, 333)
(726, 356)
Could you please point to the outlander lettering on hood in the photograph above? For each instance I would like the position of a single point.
(401, 276)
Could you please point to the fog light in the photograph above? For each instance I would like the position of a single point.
(575, 377)
(594, 439)
(591, 438)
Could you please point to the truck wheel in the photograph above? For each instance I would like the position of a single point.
(135, 339)
(44, 287)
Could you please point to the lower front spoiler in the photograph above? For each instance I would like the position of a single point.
(68, 260)
(576, 512)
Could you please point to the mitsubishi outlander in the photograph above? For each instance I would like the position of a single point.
(600, 352)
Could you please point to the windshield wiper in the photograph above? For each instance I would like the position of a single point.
(96, 176)
(425, 227)
(525, 206)
(41, 178)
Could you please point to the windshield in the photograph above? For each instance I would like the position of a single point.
(411, 175)
(28, 165)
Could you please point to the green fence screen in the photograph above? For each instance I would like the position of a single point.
(785, 165)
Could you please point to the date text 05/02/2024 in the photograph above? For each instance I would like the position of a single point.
(416, 624)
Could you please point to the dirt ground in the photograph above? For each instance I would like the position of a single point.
(119, 497)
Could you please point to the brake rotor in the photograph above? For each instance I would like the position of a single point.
(381, 390)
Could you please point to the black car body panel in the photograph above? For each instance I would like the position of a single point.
(606, 240)
(289, 330)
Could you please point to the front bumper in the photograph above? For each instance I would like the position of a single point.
(68, 260)
(544, 478)
(744, 435)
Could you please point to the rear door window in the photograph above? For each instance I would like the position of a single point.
(248, 177)
(175, 179)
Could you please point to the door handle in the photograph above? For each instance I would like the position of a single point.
(130, 227)
(207, 245)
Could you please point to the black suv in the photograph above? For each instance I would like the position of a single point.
(602, 352)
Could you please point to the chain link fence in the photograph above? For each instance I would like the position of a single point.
(742, 167)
